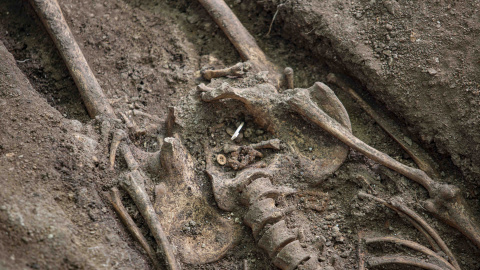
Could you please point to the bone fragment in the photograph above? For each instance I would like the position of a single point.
(270, 144)
(412, 245)
(131, 226)
(240, 38)
(118, 136)
(93, 97)
(237, 70)
(221, 159)
(421, 158)
(396, 259)
(288, 77)
(134, 185)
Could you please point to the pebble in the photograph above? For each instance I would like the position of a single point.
(432, 71)
(230, 131)
(389, 27)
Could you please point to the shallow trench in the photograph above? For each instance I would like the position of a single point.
(165, 59)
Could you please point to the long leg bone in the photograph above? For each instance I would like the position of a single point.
(93, 97)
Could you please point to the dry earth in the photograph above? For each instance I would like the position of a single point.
(420, 61)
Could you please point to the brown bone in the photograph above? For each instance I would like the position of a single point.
(240, 37)
(446, 201)
(93, 97)
(263, 102)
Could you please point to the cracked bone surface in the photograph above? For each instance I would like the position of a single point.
(319, 153)
(446, 201)
(254, 187)
(177, 194)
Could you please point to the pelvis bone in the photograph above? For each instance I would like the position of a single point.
(319, 154)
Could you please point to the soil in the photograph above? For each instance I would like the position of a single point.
(417, 61)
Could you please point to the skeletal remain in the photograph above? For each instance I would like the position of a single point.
(93, 97)
(135, 129)
(242, 157)
(377, 261)
(131, 226)
(421, 158)
(419, 223)
(263, 216)
(263, 102)
(240, 38)
(269, 144)
(446, 201)
(118, 136)
(221, 159)
(237, 70)
(412, 245)
(133, 183)
(288, 77)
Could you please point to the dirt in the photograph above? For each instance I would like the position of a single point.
(419, 63)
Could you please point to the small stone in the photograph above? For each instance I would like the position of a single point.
(248, 132)
(389, 27)
(408, 140)
(192, 19)
(259, 132)
(230, 131)
(432, 71)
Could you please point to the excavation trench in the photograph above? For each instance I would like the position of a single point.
(152, 59)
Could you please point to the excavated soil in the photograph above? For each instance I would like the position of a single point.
(418, 62)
